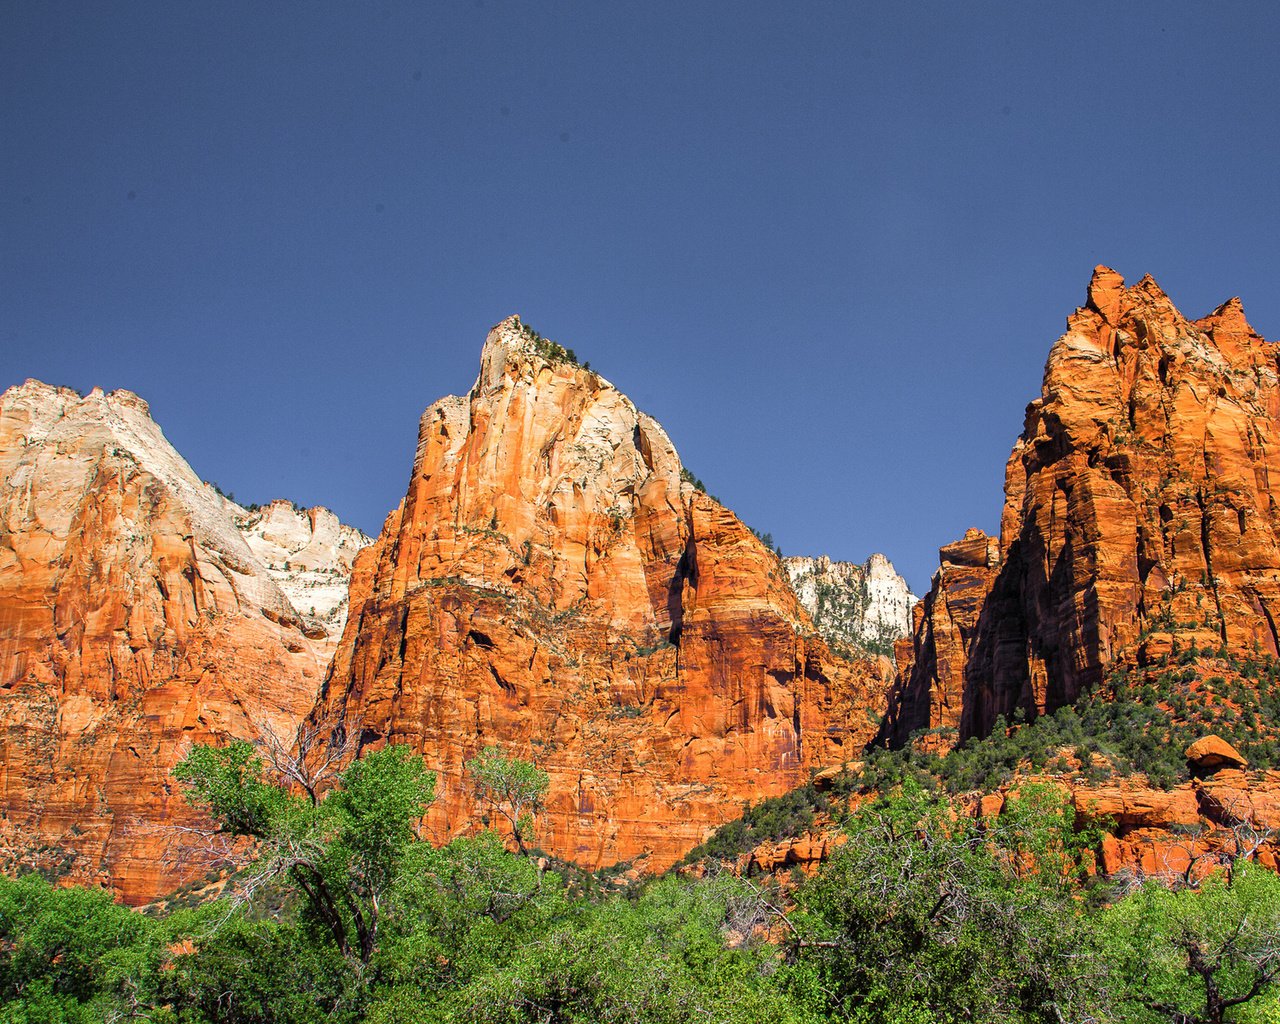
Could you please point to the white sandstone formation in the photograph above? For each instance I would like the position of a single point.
(866, 607)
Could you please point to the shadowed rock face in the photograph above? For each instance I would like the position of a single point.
(550, 585)
(1140, 507)
(134, 621)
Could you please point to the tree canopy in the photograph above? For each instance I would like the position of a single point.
(341, 912)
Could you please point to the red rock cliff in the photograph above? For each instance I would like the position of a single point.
(1140, 502)
(550, 585)
(134, 621)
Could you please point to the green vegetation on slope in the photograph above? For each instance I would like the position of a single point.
(551, 351)
(342, 913)
(771, 819)
(1138, 722)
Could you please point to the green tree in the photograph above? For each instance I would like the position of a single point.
(513, 788)
(662, 959)
(71, 954)
(340, 853)
(261, 969)
(924, 915)
(461, 912)
(1201, 956)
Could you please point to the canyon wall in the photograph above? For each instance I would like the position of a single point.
(550, 585)
(554, 584)
(135, 620)
(1140, 511)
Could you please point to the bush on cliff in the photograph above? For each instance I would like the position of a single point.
(773, 818)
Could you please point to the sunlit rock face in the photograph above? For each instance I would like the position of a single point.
(861, 608)
(135, 620)
(550, 585)
(1185, 832)
(1140, 509)
(309, 554)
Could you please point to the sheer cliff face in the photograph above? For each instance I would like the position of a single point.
(134, 621)
(550, 585)
(1140, 505)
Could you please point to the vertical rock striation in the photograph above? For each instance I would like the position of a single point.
(550, 585)
(135, 619)
(1140, 508)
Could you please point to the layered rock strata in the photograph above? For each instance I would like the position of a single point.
(1140, 509)
(135, 620)
(1182, 833)
(551, 586)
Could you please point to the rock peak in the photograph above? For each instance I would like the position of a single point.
(509, 332)
(1141, 493)
(37, 391)
(1106, 288)
(554, 587)
(514, 341)
(1152, 289)
(33, 389)
(128, 398)
(504, 338)
(860, 607)
(1230, 317)
(133, 604)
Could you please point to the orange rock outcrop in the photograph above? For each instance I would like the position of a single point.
(1140, 509)
(551, 585)
(1183, 833)
(1188, 831)
(1210, 753)
(134, 621)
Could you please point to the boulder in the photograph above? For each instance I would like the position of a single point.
(1210, 753)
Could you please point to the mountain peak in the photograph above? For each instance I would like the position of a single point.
(514, 341)
(1106, 290)
(1230, 318)
(1138, 501)
(130, 400)
(861, 607)
(133, 598)
(555, 588)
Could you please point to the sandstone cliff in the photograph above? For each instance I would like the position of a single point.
(135, 619)
(550, 585)
(862, 608)
(1140, 510)
(309, 554)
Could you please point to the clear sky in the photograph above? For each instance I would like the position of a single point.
(827, 245)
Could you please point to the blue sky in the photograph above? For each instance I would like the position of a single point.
(827, 245)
